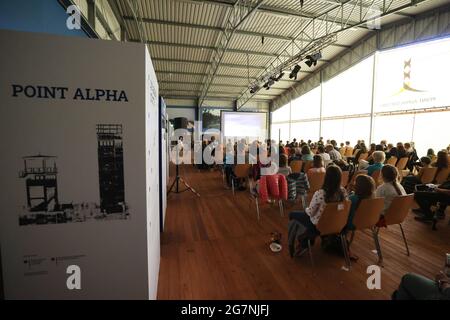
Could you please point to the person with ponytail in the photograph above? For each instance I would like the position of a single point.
(390, 188)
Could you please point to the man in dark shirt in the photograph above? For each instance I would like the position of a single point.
(426, 199)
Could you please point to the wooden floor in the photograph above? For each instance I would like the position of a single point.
(214, 248)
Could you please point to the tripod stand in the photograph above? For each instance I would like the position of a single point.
(178, 179)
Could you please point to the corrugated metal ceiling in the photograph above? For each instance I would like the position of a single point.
(182, 36)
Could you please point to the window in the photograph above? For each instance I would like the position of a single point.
(282, 114)
(351, 129)
(306, 106)
(280, 132)
(350, 92)
(308, 130)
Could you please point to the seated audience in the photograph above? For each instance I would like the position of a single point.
(378, 162)
(321, 152)
(441, 163)
(409, 182)
(416, 287)
(390, 187)
(330, 192)
(306, 154)
(430, 197)
(333, 153)
(401, 151)
(431, 154)
(318, 165)
(364, 189)
(284, 169)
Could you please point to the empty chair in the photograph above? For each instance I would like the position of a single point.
(396, 214)
(273, 187)
(241, 171)
(296, 166)
(392, 161)
(332, 222)
(366, 217)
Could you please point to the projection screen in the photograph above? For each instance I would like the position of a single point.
(249, 125)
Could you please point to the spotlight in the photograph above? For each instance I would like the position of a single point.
(279, 77)
(294, 72)
(254, 88)
(269, 83)
(312, 59)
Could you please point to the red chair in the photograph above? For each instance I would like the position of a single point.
(273, 187)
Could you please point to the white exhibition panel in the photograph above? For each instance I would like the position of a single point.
(244, 124)
(99, 207)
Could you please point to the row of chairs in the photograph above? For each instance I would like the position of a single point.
(335, 216)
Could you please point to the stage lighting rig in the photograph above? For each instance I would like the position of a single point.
(295, 72)
(312, 59)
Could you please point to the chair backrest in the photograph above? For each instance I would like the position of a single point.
(334, 217)
(345, 176)
(428, 175)
(242, 170)
(363, 156)
(315, 181)
(401, 163)
(392, 161)
(376, 175)
(442, 176)
(296, 166)
(307, 165)
(398, 210)
(368, 213)
(348, 151)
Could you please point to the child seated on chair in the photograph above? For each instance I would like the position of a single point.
(390, 189)
(330, 192)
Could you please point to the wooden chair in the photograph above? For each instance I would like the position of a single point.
(307, 165)
(396, 214)
(363, 156)
(442, 176)
(332, 222)
(392, 161)
(241, 171)
(401, 163)
(315, 183)
(366, 217)
(296, 166)
(344, 180)
(428, 175)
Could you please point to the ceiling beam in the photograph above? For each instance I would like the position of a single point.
(204, 74)
(219, 29)
(228, 65)
(190, 97)
(194, 46)
(232, 94)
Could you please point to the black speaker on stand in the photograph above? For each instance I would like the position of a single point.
(180, 123)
